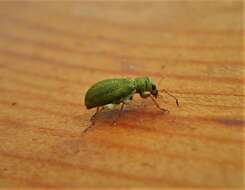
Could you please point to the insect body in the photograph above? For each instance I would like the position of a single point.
(110, 92)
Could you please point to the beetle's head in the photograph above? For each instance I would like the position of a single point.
(146, 84)
(153, 88)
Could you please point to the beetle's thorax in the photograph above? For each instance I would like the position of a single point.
(142, 84)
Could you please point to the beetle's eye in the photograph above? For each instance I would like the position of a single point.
(153, 87)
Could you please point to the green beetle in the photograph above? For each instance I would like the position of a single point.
(111, 92)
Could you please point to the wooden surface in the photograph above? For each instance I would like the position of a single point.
(51, 53)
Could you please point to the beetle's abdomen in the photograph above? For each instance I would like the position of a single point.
(108, 91)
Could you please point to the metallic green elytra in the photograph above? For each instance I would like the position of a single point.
(120, 90)
(110, 92)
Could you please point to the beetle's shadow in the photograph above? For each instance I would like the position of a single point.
(140, 113)
(135, 115)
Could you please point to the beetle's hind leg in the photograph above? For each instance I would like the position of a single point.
(94, 115)
(92, 118)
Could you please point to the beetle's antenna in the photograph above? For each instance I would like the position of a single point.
(162, 76)
(176, 100)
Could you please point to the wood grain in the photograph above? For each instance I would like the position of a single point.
(51, 53)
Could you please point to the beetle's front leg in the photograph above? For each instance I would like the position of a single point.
(157, 105)
(146, 95)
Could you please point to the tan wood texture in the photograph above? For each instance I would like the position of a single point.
(51, 53)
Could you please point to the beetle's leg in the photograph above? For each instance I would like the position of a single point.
(157, 105)
(119, 114)
(92, 119)
(94, 115)
(146, 95)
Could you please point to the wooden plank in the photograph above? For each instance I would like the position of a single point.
(51, 53)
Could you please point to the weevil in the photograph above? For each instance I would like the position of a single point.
(111, 92)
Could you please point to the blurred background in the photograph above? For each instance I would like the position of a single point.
(52, 52)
